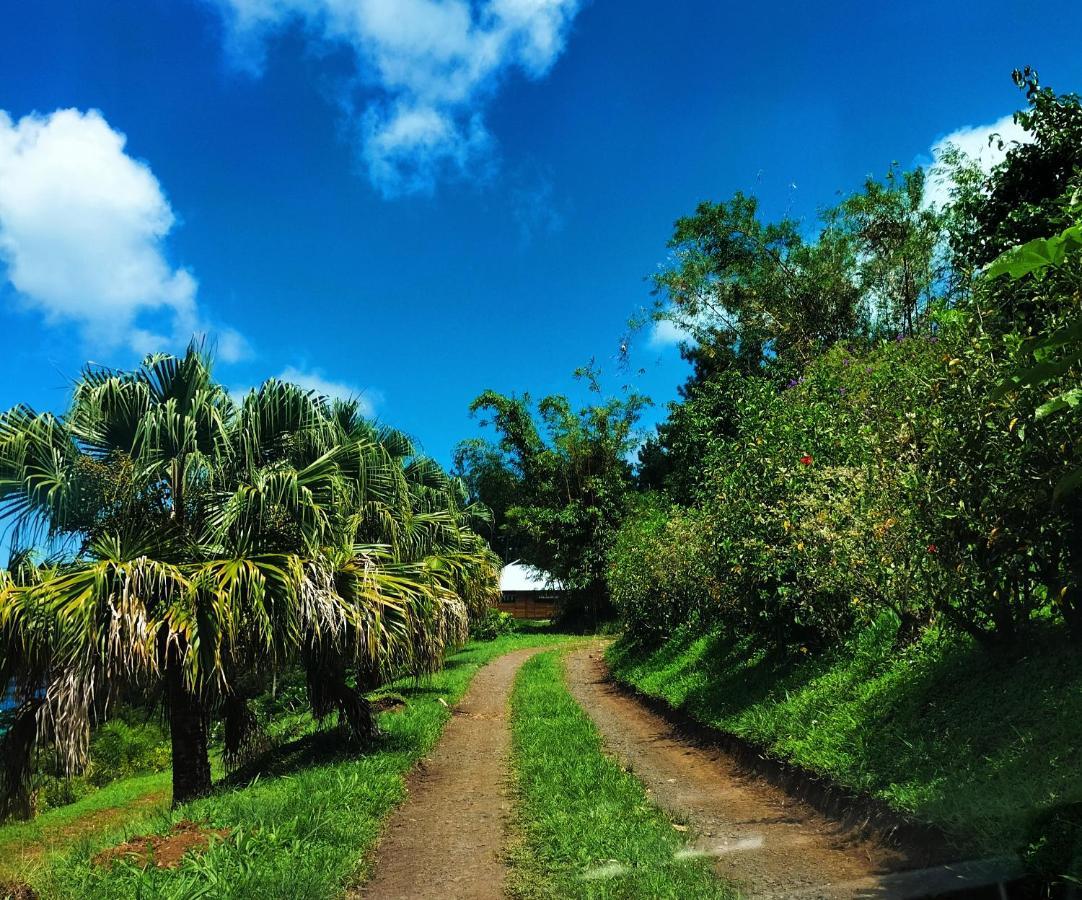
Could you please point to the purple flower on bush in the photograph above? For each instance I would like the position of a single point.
(841, 390)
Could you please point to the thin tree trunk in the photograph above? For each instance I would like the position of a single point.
(188, 732)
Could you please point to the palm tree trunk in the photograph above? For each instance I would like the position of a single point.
(188, 733)
(245, 739)
(328, 691)
(16, 757)
(356, 711)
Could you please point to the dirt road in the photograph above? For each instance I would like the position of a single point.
(447, 839)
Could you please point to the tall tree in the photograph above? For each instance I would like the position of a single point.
(746, 292)
(568, 480)
(1021, 199)
(901, 263)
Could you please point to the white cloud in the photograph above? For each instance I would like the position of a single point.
(82, 231)
(429, 65)
(314, 380)
(667, 333)
(986, 145)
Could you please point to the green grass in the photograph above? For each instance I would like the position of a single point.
(586, 827)
(25, 847)
(940, 731)
(304, 828)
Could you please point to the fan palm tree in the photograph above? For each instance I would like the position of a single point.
(207, 541)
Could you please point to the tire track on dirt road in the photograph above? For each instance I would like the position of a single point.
(764, 841)
(447, 839)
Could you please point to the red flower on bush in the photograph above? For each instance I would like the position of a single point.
(806, 459)
(932, 548)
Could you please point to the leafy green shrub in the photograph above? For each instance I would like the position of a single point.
(1054, 848)
(886, 479)
(52, 792)
(119, 749)
(493, 624)
(985, 498)
(803, 525)
(660, 571)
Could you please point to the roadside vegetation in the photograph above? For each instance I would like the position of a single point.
(585, 827)
(301, 822)
(857, 536)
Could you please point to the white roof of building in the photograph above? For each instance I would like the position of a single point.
(518, 576)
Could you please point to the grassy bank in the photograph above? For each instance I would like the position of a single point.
(301, 827)
(585, 827)
(939, 730)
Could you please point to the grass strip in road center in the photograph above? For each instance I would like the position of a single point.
(585, 827)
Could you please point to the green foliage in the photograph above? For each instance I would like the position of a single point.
(887, 479)
(802, 523)
(752, 295)
(1022, 198)
(1053, 357)
(749, 290)
(119, 749)
(133, 743)
(51, 792)
(707, 415)
(660, 570)
(1038, 255)
(493, 624)
(568, 481)
(985, 498)
(900, 263)
(587, 828)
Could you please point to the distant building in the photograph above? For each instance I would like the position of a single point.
(528, 593)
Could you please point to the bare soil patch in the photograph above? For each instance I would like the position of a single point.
(446, 841)
(17, 855)
(388, 704)
(17, 890)
(764, 840)
(163, 851)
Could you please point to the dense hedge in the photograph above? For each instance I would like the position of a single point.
(887, 478)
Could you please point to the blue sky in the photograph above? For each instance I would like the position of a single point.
(421, 199)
